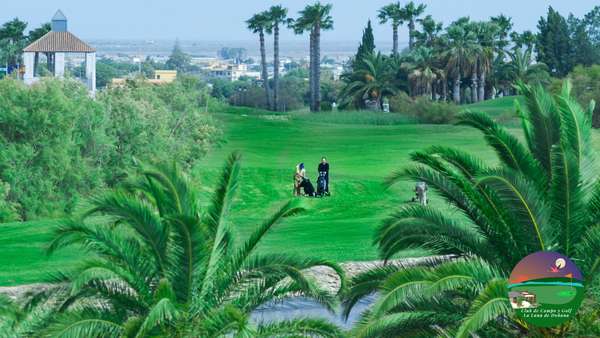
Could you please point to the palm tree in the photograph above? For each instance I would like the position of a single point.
(373, 80)
(393, 13)
(410, 14)
(459, 53)
(258, 24)
(277, 15)
(429, 34)
(523, 69)
(489, 43)
(314, 18)
(422, 71)
(162, 266)
(543, 195)
(30, 313)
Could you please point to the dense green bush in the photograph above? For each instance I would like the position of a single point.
(586, 87)
(57, 144)
(423, 110)
(47, 134)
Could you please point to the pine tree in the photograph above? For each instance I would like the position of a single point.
(554, 44)
(178, 60)
(366, 47)
(583, 51)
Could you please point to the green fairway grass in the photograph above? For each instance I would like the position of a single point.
(362, 149)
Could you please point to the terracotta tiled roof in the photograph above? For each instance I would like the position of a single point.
(59, 42)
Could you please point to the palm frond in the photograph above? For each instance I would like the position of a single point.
(509, 149)
(162, 313)
(526, 204)
(490, 304)
(301, 327)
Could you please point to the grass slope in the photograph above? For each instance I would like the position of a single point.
(362, 148)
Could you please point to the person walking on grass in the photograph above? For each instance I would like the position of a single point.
(323, 181)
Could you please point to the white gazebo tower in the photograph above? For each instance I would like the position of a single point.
(54, 45)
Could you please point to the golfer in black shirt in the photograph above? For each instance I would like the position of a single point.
(324, 168)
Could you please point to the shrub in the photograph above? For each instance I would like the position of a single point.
(423, 110)
(57, 144)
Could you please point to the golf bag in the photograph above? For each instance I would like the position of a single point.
(309, 189)
(322, 183)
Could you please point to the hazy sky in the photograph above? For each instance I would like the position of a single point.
(224, 19)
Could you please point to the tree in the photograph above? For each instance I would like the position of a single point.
(553, 45)
(421, 65)
(236, 54)
(489, 43)
(12, 42)
(367, 45)
(522, 68)
(258, 24)
(543, 194)
(584, 53)
(503, 26)
(314, 18)
(393, 13)
(38, 32)
(277, 15)
(410, 13)
(461, 44)
(524, 40)
(162, 266)
(372, 80)
(592, 23)
(31, 313)
(178, 60)
(429, 34)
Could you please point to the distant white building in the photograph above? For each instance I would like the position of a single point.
(231, 72)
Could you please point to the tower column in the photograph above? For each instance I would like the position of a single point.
(28, 59)
(90, 71)
(59, 64)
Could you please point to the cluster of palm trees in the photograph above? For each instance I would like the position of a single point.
(313, 19)
(465, 63)
(159, 265)
(543, 194)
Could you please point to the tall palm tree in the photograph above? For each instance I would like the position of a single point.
(410, 14)
(459, 53)
(373, 80)
(393, 13)
(314, 18)
(429, 34)
(258, 24)
(161, 265)
(422, 71)
(543, 195)
(277, 16)
(489, 44)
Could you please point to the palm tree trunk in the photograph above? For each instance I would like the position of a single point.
(276, 67)
(444, 89)
(265, 73)
(395, 41)
(411, 33)
(474, 89)
(482, 85)
(456, 89)
(311, 70)
(317, 67)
